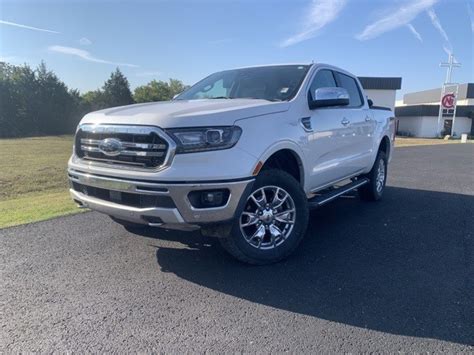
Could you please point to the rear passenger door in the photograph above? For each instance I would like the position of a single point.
(360, 122)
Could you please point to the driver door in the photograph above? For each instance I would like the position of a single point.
(330, 140)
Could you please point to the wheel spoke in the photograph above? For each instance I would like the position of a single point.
(252, 219)
(275, 231)
(261, 201)
(277, 201)
(285, 216)
(259, 234)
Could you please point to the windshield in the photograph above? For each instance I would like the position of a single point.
(273, 83)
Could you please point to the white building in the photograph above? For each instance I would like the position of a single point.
(418, 114)
(382, 91)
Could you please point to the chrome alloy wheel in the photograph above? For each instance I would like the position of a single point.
(380, 179)
(268, 218)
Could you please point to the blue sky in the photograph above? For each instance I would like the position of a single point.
(83, 41)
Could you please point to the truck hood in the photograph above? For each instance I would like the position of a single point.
(192, 113)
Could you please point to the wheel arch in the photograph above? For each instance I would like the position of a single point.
(285, 156)
(385, 146)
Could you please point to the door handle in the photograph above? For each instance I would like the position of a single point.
(367, 119)
(345, 121)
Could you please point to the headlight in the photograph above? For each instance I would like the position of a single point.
(199, 139)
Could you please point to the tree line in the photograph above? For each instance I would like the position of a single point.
(35, 102)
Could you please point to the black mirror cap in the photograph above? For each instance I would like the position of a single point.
(314, 104)
(370, 102)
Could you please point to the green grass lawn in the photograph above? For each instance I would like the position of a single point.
(33, 179)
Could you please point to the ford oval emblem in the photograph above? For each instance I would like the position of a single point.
(110, 146)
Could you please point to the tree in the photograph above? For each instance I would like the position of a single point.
(54, 104)
(176, 87)
(116, 90)
(19, 101)
(94, 100)
(35, 102)
(158, 90)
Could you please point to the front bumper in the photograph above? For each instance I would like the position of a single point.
(179, 215)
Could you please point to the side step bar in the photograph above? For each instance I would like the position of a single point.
(318, 201)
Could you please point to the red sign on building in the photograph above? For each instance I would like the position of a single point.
(448, 101)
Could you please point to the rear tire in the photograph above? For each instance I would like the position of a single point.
(373, 190)
(273, 221)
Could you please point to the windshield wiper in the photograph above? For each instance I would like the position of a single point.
(220, 97)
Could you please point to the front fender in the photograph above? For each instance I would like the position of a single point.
(286, 145)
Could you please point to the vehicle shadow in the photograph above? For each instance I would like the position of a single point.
(403, 266)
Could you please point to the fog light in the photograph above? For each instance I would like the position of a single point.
(208, 198)
(212, 198)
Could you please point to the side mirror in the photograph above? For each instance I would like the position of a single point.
(370, 102)
(326, 97)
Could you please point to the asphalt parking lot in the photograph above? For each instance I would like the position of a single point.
(397, 275)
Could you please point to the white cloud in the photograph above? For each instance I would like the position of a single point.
(471, 16)
(321, 13)
(149, 73)
(400, 17)
(85, 41)
(448, 48)
(85, 55)
(415, 32)
(26, 27)
(437, 24)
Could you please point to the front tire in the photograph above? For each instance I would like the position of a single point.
(373, 190)
(273, 221)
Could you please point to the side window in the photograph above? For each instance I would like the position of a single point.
(348, 83)
(323, 79)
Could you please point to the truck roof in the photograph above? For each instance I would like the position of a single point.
(269, 65)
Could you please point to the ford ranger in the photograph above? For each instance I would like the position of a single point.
(242, 155)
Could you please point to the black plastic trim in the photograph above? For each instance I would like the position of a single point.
(380, 108)
(380, 83)
(432, 111)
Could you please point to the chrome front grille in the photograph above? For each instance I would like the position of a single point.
(143, 147)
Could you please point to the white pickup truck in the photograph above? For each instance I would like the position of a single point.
(242, 155)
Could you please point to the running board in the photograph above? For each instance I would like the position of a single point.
(318, 201)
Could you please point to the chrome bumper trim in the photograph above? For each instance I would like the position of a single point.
(127, 213)
(184, 211)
